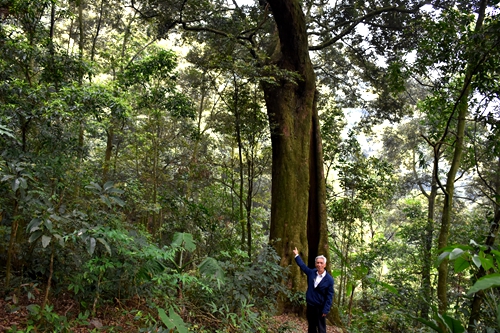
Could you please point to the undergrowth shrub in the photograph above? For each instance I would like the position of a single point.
(247, 298)
(135, 268)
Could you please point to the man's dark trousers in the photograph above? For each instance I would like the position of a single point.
(315, 319)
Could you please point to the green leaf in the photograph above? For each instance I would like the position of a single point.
(486, 282)
(15, 184)
(46, 240)
(34, 309)
(349, 289)
(117, 201)
(211, 267)
(454, 325)
(33, 225)
(108, 185)
(184, 239)
(430, 324)
(35, 235)
(487, 263)
(441, 257)
(105, 200)
(498, 315)
(115, 190)
(7, 177)
(389, 287)
(164, 318)
(6, 131)
(106, 245)
(60, 239)
(172, 321)
(476, 260)
(91, 247)
(336, 273)
(178, 322)
(455, 246)
(48, 225)
(495, 253)
(461, 264)
(94, 186)
(56, 217)
(456, 253)
(439, 317)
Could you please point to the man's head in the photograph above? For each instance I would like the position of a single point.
(320, 263)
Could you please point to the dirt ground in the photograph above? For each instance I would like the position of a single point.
(301, 324)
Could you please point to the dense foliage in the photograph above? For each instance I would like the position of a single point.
(135, 163)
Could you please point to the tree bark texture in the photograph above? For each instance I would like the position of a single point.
(463, 109)
(427, 260)
(317, 233)
(108, 153)
(428, 236)
(298, 215)
(442, 288)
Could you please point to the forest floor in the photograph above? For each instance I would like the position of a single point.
(299, 325)
(14, 316)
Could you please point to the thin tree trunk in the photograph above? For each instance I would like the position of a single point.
(154, 199)
(347, 261)
(81, 129)
(98, 29)
(249, 203)
(49, 280)
(349, 310)
(80, 27)
(427, 255)
(108, 153)
(442, 287)
(240, 161)
(13, 236)
(462, 107)
(428, 237)
(343, 262)
(51, 41)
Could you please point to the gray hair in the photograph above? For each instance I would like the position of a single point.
(320, 257)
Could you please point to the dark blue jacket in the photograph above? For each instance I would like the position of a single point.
(322, 295)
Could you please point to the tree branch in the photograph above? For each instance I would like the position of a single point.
(361, 19)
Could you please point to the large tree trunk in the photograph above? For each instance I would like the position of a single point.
(298, 215)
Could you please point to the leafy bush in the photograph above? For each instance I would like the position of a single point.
(248, 292)
(134, 268)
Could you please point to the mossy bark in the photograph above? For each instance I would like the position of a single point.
(298, 214)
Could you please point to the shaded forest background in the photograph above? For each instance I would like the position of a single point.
(136, 154)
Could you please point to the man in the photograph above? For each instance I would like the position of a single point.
(319, 293)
